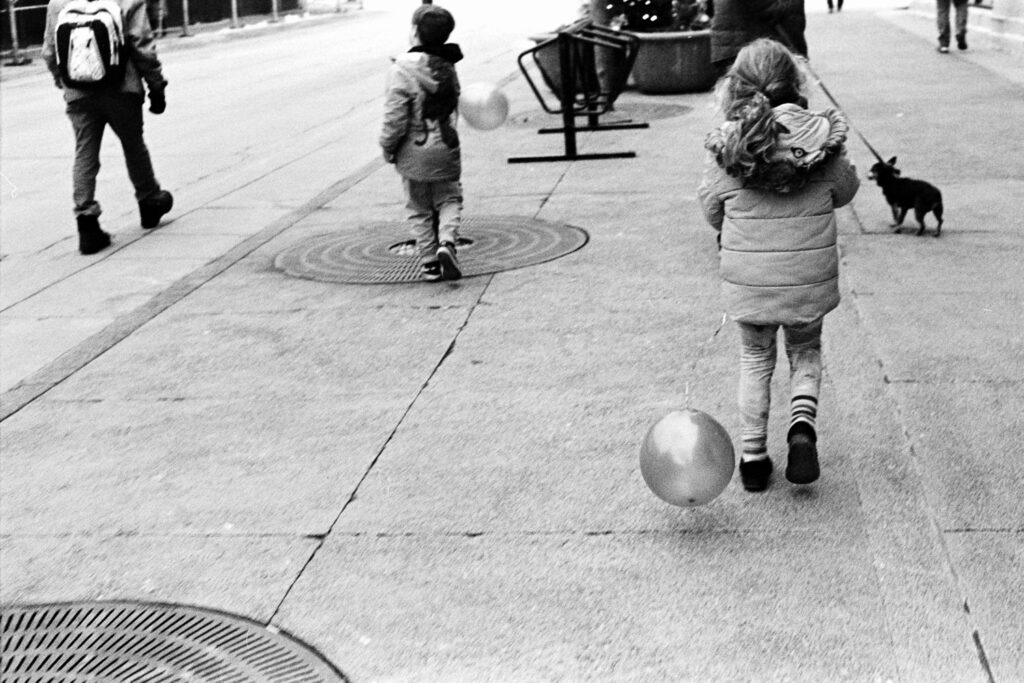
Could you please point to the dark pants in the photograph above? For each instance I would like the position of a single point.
(942, 19)
(89, 118)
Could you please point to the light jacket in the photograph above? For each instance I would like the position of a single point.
(778, 259)
(140, 50)
(421, 115)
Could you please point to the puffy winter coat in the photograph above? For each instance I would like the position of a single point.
(738, 22)
(779, 263)
(421, 114)
(139, 44)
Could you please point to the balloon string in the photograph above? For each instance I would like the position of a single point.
(700, 347)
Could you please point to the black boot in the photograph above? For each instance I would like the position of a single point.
(802, 467)
(153, 208)
(91, 238)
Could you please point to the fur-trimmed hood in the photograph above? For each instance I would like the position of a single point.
(804, 141)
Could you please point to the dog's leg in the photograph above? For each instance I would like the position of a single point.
(919, 214)
(937, 210)
(898, 214)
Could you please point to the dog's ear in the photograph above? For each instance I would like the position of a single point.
(892, 162)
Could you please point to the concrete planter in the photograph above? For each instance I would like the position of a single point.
(674, 62)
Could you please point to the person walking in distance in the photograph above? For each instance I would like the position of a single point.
(942, 19)
(774, 175)
(420, 137)
(103, 56)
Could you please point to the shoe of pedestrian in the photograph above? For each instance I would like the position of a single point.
(153, 208)
(430, 271)
(943, 49)
(961, 42)
(802, 467)
(449, 262)
(755, 474)
(91, 238)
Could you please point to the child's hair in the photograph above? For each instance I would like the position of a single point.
(764, 75)
(433, 25)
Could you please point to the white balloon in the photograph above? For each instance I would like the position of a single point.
(483, 106)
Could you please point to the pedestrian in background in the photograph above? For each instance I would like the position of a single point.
(774, 176)
(420, 137)
(942, 19)
(116, 100)
(736, 23)
(831, 7)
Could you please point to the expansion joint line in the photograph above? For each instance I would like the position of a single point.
(322, 538)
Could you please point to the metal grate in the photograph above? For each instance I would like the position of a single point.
(150, 643)
(381, 253)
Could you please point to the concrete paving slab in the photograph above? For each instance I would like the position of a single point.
(703, 606)
(235, 355)
(992, 564)
(40, 341)
(113, 287)
(242, 575)
(207, 467)
(976, 264)
(241, 222)
(911, 350)
(970, 471)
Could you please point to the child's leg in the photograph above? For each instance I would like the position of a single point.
(420, 203)
(448, 203)
(757, 363)
(803, 347)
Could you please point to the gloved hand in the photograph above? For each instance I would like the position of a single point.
(157, 101)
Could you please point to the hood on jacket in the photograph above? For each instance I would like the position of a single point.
(804, 141)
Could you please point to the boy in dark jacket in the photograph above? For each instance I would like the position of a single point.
(119, 105)
(419, 136)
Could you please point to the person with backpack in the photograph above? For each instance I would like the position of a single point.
(100, 52)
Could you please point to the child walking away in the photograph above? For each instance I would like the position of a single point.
(420, 137)
(100, 53)
(774, 176)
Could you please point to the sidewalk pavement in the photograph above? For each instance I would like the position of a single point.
(440, 482)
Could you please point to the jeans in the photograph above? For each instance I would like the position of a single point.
(89, 118)
(435, 213)
(942, 19)
(758, 353)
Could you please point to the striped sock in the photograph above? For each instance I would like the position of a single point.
(754, 448)
(803, 414)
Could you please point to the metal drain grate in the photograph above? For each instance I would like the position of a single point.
(150, 643)
(380, 253)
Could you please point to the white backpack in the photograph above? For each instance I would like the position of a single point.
(90, 43)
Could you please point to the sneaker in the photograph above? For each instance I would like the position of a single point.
(943, 49)
(91, 238)
(449, 263)
(153, 208)
(802, 467)
(430, 271)
(755, 474)
(961, 42)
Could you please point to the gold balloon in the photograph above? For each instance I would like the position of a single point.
(687, 458)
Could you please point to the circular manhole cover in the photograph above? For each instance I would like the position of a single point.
(129, 641)
(382, 253)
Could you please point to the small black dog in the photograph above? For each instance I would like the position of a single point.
(904, 194)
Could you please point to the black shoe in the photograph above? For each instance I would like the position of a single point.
(153, 208)
(802, 467)
(961, 42)
(430, 271)
(91, 238)
(449, 263)
(755, 474)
